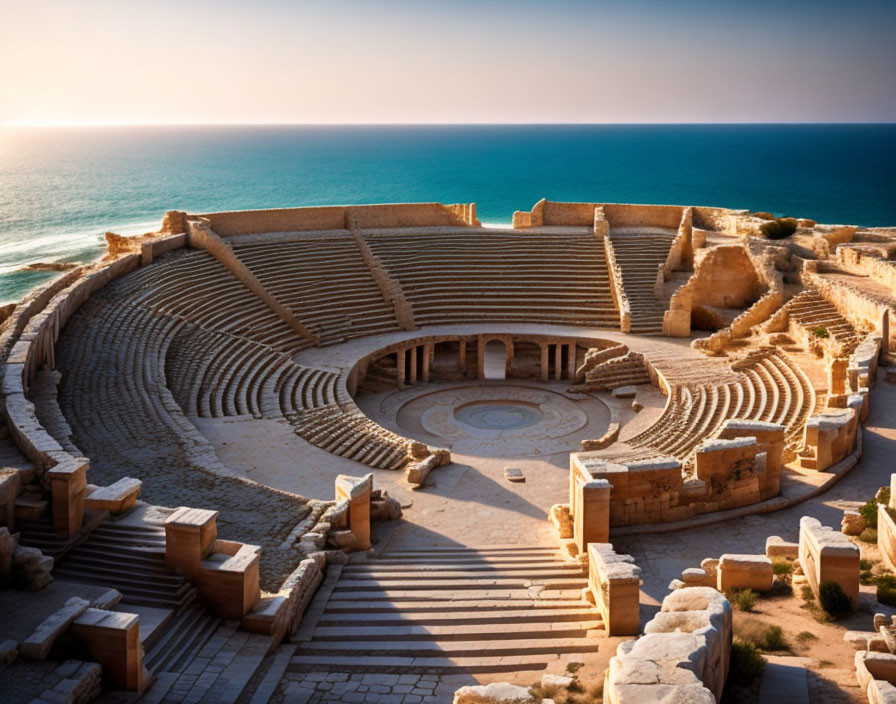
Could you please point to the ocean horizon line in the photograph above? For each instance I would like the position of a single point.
(86, 125)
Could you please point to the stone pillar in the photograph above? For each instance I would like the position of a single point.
(68, 487)
(591, 522)
(113, 640)
(837, 376)
(412, 376)
(614, 581)
(544, 369)
(462, 353)
(571, 363)
(558, 361)
(190, 534)
(480, 358)
(357, 491)
(885, 332)
(400, 356)
(428, 350)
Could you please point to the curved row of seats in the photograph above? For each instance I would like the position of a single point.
(186, 323)
(475, 276)
(193, 285)
(324, 282)
(771, 389)
(349, 433)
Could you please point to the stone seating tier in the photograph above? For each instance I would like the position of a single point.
(457, 277)
(771, 390)
(325, 283)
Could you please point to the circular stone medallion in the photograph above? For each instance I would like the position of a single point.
(497, 415)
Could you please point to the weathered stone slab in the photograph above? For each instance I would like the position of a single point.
(37, 646)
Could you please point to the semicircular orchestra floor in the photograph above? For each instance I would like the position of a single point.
(511, 418)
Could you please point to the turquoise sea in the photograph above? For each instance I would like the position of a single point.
(61, 189)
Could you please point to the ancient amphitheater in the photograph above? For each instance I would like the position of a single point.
(380, 453)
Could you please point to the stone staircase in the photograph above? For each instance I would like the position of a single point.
(639, 256)
(813, 312)
(628, 370)
(132, 560)
(451, 610)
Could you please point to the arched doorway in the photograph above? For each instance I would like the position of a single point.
(494, 360)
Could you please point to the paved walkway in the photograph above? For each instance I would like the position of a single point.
(784, 681)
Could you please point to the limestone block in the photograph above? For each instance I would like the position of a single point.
(561, 519)
(625, 392)
(562, 681)
(37, 646)
(494, 693)
(10, 486)
(81, 683)
(697, 577)
(8, 543)
(113, 640)
(357, 490)
(614, 580)
(68, 486)
(189, 536)
(591, 517)
(858, 639)
(9, 651)
(828, 555)
(853, 523)
(776, 546)
(31, 569)
(115, 498)
(228, 579)
(745, 572)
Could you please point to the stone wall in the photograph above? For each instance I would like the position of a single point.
(551, 213)
(826, 555)
(246, 222)
(724, 277)
(683, 655)
(730, 472)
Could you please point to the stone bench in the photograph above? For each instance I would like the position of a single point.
(876, 674)
(115, 498)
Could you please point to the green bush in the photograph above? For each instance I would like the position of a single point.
(883, 496)
(869, 535)
(743, 599)
(865, 564)
(821, 332)
(746, 663)
(763, 215)
(781, 565)
(886, 589)
(833, 599)
(779, 228)
(869, 513)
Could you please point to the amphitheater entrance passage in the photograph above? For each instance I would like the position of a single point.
(494, 360)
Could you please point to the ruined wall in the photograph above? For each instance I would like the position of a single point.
(724, 277)
(246, 222)
(683, 655)
(553, 213)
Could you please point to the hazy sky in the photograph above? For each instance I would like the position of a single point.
(289, 61)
